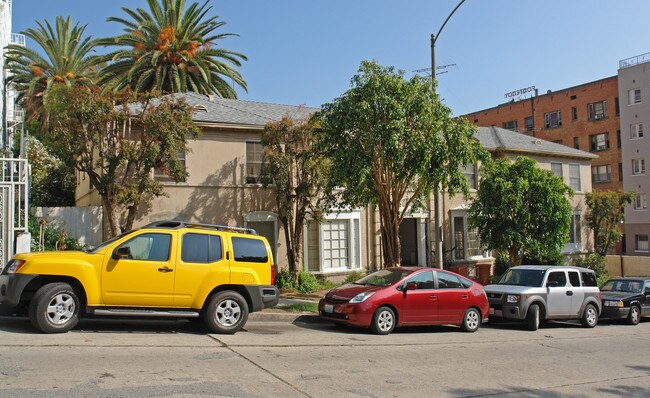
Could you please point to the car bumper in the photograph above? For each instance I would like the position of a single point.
(506, 311)
(615, 312)
(359, 314)
(263, 296)
(11, 290)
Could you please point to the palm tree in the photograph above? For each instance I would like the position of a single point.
(66, 60)
(171, 49)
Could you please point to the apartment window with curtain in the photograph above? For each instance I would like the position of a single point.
(574, 177)
(641, 243)
(640, 202)
(599, 142)
(597, 110)
(634, 96)
(254, 162)
(636, 131)
(556, 168)
(638, 166)
(575, 237)
(601, 173)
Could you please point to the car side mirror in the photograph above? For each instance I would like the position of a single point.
(411, 286)
(552, 284)
(121, 252)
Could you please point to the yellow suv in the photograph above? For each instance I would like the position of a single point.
(165, 269)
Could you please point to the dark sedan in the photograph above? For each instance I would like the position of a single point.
(626, 298)
(403, 296)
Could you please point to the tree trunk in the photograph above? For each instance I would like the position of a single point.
(390, 238)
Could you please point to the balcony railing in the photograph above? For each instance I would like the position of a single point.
(639, 59)
(17, 38)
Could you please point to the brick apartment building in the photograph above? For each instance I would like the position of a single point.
(584, 117)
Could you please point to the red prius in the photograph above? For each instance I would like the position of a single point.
(402, 296)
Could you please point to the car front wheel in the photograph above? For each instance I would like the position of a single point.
(634, 316)
(383, 322)
(226, 313)
(532, 318)
(471, 320)
(54, 308)
(589, 316)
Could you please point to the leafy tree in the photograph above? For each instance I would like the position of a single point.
(606, 210)
(66, 60)
(170, 49)
(390, 141)
(117, 147)
(299, 176)
(521, 209)
(52, 182)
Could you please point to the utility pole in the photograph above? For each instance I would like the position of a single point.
(438, 195)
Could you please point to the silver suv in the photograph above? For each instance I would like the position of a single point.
(539, 292)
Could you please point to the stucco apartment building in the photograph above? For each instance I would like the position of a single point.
(223, 187)
(634, 91)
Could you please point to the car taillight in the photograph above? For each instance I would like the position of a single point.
(272, 274)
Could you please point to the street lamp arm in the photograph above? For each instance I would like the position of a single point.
(434, 38)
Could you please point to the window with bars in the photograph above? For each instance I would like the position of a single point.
(552, 119)
(597, 110)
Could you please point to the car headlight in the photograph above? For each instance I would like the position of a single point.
(361, 297)
(609, 303)
(513, 298)
(14, 266)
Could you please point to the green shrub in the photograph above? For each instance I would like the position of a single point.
(595, 262)
(54, 238)
(284, 280)
(355, 276)
(307, 283)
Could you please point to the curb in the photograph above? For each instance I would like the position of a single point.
(262, 316)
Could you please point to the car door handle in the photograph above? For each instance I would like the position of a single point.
(464, 296)
(433, 297)
(165, 269)
(569, 293)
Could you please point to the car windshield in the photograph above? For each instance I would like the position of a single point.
(95, 249)
(523, 277)
(384, 277)
(618, 285)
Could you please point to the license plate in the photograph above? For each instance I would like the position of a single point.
(491, 311)
(329, 308)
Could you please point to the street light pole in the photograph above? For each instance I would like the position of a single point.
(438, 195)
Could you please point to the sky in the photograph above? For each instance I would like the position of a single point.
(304, 52)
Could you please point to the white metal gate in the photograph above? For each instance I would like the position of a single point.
(14, 197)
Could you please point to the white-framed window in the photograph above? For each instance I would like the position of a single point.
(599, 142)
(254, 162)
(640, 202)
(574, 177)
(334, 244)
(552, 119)
(601, 173)
(470, 175)
(162, 173)
(575, 233)
(636, 131)
(638, 166)
(641, 243)
(466, 243)
(634, 96)
(597, 110)
(556, 168)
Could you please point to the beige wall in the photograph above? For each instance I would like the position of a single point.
(628, 265)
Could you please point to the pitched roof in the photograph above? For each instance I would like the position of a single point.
(498, 139)
(237, 112)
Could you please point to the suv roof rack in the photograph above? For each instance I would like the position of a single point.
(184, 224)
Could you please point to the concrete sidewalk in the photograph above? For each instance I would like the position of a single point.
(275, 314)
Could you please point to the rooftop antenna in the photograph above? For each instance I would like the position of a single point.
(439, 69)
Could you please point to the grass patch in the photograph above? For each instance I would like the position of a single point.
(302, 307)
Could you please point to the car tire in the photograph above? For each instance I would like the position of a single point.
(634, 316)
(532, 317)
(471, 320)
(383, 321)
(54, 308)
(226, 312)
(589, 317)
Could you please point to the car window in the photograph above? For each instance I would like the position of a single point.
(423, 280)
(201, 248)
(249, 250)
(589, 279)
(384, 277)
(556, 278)
(448, 281)
(574, 278)
(149, 246)
(522, 277)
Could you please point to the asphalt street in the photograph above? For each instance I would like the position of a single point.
(284, 356)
